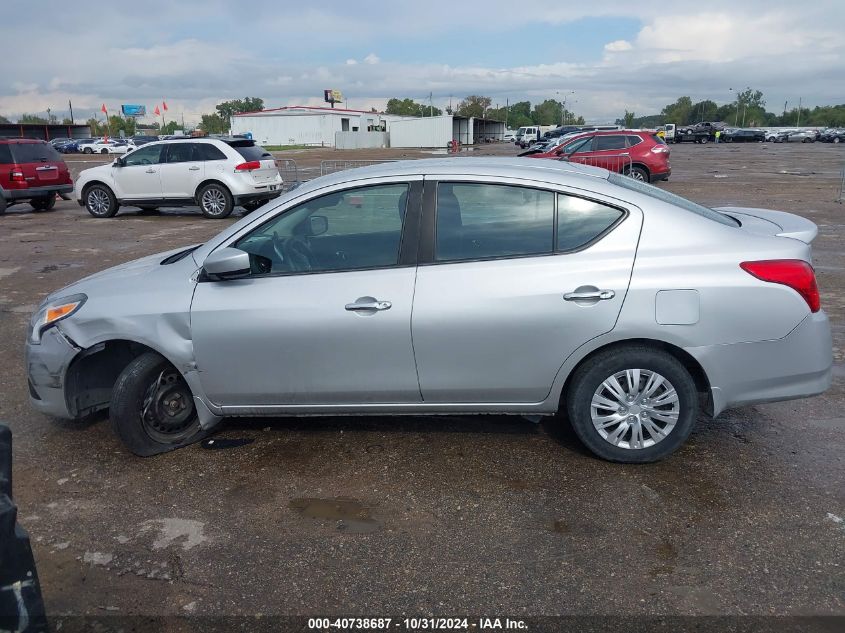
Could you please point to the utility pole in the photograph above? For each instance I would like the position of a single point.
(70, 107)
(430, 105)
(507, 108)
(798, 122)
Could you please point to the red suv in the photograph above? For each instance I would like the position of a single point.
(642, 155)
(31, 170)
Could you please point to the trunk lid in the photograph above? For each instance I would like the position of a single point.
(774, 223)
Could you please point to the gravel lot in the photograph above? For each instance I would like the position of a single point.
(451, 516)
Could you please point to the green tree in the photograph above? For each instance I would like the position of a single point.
(679, 112)
(170, 128)
(549, 112)
(473, 106)
(213, 124)
(706, 110)
(67, 121)
(4, 119)
(409, 107)
(32, 118)
(628, 119)
(247, 104)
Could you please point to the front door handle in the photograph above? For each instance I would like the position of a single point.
(594, 295)
(368, 304)
(194, 168)
(150, 171)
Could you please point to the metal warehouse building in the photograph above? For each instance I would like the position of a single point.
(300, 125)
(351, 129)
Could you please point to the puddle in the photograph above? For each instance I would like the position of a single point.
(352, 516)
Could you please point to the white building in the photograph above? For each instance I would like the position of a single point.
(301, 125)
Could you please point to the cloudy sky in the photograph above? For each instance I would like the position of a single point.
(615, 55)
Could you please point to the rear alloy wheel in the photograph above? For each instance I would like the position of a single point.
(43, 204)
(104, 151)
(836, 139)
(634, 405)
(152, 408)
(637, 173)
(215, 201)
(100, 201)
(88, 150)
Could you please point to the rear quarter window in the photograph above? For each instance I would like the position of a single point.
(207, 151)
(252, 151)
(580, 221)
(5, 155)
(34, 153)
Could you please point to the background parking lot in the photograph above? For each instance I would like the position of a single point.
(442, 516)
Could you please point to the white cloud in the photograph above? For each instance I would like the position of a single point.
(372, 58)
(351, 62)
(618, 46)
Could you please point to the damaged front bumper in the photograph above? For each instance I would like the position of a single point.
(46, 367)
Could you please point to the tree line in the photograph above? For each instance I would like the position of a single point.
(747, 110)
(519, 114)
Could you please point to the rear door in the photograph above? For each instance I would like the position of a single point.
(610, 151)
(40, 163)
(182, 170)
(513, 278)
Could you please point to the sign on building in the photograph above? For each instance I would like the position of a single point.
(134, 110)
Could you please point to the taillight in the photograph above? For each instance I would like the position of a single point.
(249, 166)
(795, 273)
(660, 149)
(16, 175)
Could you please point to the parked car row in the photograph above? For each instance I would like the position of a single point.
(214, 174)
(100, 145)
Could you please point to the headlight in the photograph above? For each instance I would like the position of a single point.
(52, 313)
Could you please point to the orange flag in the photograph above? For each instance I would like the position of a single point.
(103, 109)
(157, 111)
(164, 104)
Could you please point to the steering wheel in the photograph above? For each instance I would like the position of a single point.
(293, 251)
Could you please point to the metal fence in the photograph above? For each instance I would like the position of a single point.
(619, 163)
(332, 166)
(841, 197)
(289, 171)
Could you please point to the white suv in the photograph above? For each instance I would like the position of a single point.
(215, 174)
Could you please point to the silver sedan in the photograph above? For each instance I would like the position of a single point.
(451, 286)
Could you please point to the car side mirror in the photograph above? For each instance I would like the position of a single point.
(319, 224)
(226, 263)
(118, 162)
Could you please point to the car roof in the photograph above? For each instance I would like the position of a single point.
(560, 172)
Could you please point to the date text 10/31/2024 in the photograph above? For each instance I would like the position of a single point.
(417, 624)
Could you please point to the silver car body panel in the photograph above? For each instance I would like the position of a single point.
(755, 341)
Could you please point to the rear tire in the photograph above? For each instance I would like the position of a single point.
(606, 424)
(100, 201)
(638, 173)
(152, 409)
(43, 204)
(215, 201)
(2, 205)
(88, 150)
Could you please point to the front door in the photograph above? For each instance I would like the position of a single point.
(182, 170)
(518, 279)
(139, 177)
(325, 318)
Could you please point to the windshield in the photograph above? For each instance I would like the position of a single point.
(671, 198)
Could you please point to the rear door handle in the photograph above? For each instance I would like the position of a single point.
(597, 295)
(150, 171)
(368, 306)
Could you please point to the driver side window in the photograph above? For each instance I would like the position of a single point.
(346, 230)
(147, 155)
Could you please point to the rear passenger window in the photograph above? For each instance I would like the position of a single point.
(610, 142)
(477, 221)
(180, 152)
(207, 151)
(580, 221)
(5, 155)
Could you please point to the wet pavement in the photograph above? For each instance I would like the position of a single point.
(443, 516)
